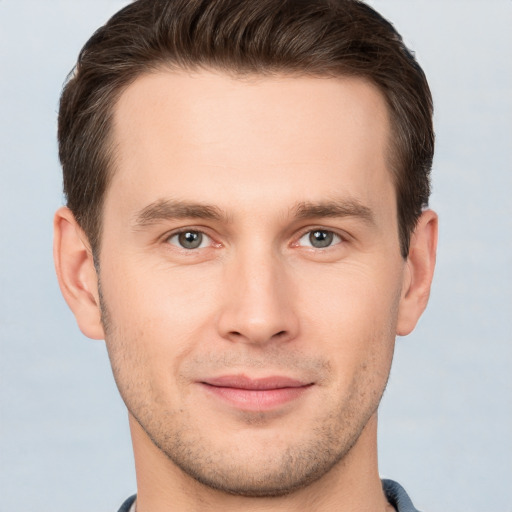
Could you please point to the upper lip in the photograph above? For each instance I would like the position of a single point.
(264, 383)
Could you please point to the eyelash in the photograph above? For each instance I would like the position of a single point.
(336, 237)
(186, 231)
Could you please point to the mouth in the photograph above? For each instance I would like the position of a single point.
(260, 394)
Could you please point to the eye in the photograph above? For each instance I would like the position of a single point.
(319, 239)
(190, 239)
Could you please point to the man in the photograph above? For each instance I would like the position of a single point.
(246, 227)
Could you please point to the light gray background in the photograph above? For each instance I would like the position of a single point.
(446, 419)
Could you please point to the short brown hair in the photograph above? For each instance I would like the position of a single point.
(304, 37)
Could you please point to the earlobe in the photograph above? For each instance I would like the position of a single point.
(419, 272)
(77, 276)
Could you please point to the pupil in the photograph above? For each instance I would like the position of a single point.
(320, 238)
(190, 239)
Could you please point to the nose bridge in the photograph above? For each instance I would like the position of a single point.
(257, 306)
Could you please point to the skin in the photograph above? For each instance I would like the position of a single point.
(255, 165)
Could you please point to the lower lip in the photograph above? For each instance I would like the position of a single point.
(256, 399)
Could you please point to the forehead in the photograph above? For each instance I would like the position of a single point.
(189, 134)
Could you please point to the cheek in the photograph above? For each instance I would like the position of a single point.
(352, 313)
(157, 317)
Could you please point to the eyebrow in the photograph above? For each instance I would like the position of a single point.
(166, 209)
(338, 208)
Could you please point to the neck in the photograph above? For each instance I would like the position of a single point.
(353, 484)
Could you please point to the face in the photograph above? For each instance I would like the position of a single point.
(250, 272)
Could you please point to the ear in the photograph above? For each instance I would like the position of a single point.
(419, 272)
(77, 276)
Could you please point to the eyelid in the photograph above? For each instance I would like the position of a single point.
(342, 235)
(196, 229)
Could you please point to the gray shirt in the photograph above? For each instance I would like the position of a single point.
(397, 496)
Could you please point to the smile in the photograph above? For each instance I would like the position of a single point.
(255, 394)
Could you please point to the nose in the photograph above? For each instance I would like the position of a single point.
(258, 301)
